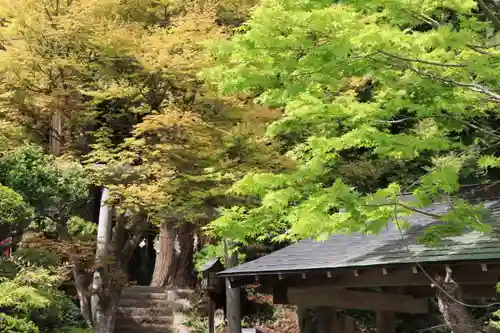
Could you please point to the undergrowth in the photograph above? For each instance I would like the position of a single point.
(31, 302)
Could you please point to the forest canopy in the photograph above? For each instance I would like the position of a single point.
(379, 99)
(203, 123)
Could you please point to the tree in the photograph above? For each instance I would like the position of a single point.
(368, 85)
(379, 98)
(40, 197)
(114, 84)
(32, 303)
(188, 146)
(54, 189)
(15, 212)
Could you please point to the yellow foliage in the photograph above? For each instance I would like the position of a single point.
(130, 67)
(178, 49)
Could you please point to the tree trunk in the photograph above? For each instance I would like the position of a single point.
(183, 268)
(99, 296)
(98, 315)
(102, 259)
(164, 255)
(104, 315)
(56, 133)
(174, 263)
(99, 287)
(82, 283)
(451, 305)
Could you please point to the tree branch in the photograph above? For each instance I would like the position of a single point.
(489, 13)
(427, 62)
(139, 229)
(413, 209)
(425, 18)
(395, 121)
(472, 86)
(418, 211)
(118, 235)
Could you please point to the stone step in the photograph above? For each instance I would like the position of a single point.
(133, 311)
(144, 289)
(144, 325)
(143, 329)
(136, 295)
(180, 293)
(143, 303)
(147, 320)
(143, 309)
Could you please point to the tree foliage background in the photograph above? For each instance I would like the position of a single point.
(379, 98)
(107, 93)
(306, 118)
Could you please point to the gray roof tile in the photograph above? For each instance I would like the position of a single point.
(356, 250)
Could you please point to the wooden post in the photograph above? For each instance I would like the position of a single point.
(304, 320)
(386, 322)
(233, 296)
(211, 313)
(348, 324)
(212, 286)
(327, 320)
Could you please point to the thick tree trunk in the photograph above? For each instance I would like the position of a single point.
(183, 268)
(174, 263)
(98, 315)
(164, 256)
(104, 315)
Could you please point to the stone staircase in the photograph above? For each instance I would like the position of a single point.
(143, 309)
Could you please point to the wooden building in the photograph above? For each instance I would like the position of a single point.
(386, 273)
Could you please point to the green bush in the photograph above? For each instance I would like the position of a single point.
(32, 300)
(10, 324)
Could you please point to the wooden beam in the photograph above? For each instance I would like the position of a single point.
(401, 275)
(351, 299)
(469, 291)
(240, 281)
(396, 277)
(407, 277)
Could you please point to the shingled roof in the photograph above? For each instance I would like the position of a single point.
(387, 248)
